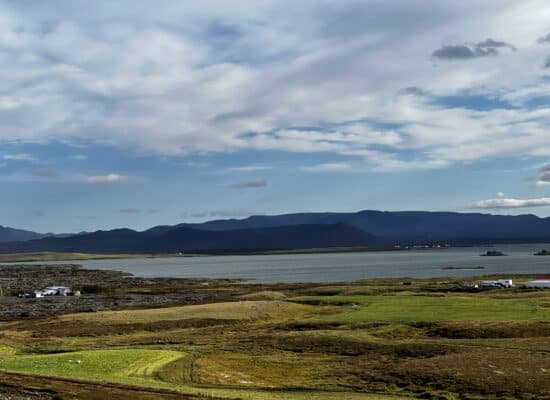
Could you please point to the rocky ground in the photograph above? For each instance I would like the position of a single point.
(100, 290)
(9, 394)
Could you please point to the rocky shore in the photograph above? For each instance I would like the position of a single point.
(101, 290)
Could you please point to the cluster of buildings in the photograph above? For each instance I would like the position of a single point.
(48, 291)
(541, 282)
(499, 283)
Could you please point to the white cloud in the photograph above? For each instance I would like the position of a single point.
(503, 203)
(20, 157)
(248, 168)
(107, 179)
(329, 167)
(79, 157)
(171, 79)
(501, 194)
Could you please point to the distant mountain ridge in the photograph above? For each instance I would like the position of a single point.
(8, 234)
(185, 239)
(298, 231)
(413, 226)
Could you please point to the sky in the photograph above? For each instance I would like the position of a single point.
(126, 113)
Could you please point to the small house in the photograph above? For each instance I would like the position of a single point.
(507, 283)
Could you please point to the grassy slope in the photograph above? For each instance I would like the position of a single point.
(135, 366)
(432, 309)
(139, 367)
(262, 348)
(244, 310)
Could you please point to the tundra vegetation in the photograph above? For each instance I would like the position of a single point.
(380, 339)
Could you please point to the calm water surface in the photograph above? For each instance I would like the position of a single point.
(337, 266)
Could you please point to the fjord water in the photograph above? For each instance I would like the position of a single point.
(333, 267)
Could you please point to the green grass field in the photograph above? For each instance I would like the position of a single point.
(121, 366)
(139, 367)
(431, 309)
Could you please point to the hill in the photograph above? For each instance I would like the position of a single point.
(409, 226)
(294, 232)
(185, 239)
(8, 234)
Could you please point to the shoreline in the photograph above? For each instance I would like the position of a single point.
(82, 256)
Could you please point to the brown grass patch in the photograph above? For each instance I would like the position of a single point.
(496, 371)
(69, 329)
(264, 295)
(491, 330)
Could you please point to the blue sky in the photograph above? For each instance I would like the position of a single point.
(136, 114)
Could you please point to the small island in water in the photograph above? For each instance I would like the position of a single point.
(493, 253)
(543, 252)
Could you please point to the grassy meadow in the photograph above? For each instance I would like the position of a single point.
(132, 366)
(407, 308)
(376, 339)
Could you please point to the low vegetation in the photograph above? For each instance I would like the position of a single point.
(408, 309)
(133, 366)
(377, 339)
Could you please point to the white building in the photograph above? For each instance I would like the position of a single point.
(56, 291)
(538, 284)
(505, 282)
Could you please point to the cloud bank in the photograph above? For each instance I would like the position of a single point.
(178, 78)
(504, 203)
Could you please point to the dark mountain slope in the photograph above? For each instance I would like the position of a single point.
(304, 230)
(117, 240)
(188, 239)
(414, 226)
(16, 235)
(282, 237)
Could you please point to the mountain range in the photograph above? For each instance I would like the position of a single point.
(15, 235)
(375, 229)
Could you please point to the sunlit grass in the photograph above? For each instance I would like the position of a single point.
(134, 366)
(434, 308)
(139, 367)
